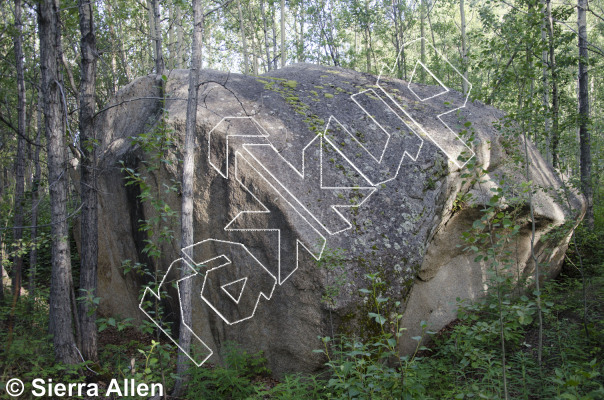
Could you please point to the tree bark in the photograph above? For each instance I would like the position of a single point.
(545, 99)
(60, 312)
(422, 13)
(397, 42)
(35, 199)
(185, 288)
(367, 38)
(274, 28)
(88, 193)
(256, 50)
(157, 39)
(243, 39)
(180, 53)
(301, 55)
(584, 134)
(464, 48)
(555, 138)
(265, 29)
(283, 49)
(20, 157)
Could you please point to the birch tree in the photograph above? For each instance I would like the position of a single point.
(186, 221)
(60, 313)
(584, 134)
(88, 218)
(20, 159)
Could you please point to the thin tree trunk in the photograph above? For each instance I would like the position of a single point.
(180, 49)
(584, 134)
(117, 41)
(60, 313)
(151, 17)
(114, 51)
(464, 48)
(367, 39)
(266, 45)
(545, 100)
(274, 28)
(403, 55)
(35, 198)
(89, 218)
(157, 39)
(243, 39)
(19, 171)
(255, 51)
(422, 13)
(555, 139)
(20, 159)
(185, 289)
(397, 42)
(301, 55)
(172, 43)
(283, 49)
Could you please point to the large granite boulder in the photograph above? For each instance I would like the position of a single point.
(307, 179)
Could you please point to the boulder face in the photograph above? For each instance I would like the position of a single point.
(307, 179)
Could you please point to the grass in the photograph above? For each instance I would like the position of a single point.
(463, 361)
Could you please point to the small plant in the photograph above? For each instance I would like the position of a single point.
(233, 380)
(373, 369)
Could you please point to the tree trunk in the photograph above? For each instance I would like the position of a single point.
(422, 13)
(555, 138)
(301, 55)
(584, 134)
(464, 48)
(20, 157)
(60, 313)
(266, 45)
(397, 43)
(283, 49)
(114, 50)
(243, 39)
(185, 288)
(35, 198)
(256, 50)
(117, 42)
(274, 28)
(545, 99)
(89, 218)
(155, 28)
(367, 38)
(180, 49)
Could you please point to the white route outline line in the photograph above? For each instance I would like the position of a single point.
(158, 297)
(261, 130)
(223, 287)
(209, 303)
(266, 135)
(373, 119)
(405, 152)
(455, 161)
(335, 207)
(433, 76)
(298, 241)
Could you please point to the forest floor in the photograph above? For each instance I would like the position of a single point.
(463, 361)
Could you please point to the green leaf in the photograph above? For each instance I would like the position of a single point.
(378, 318)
